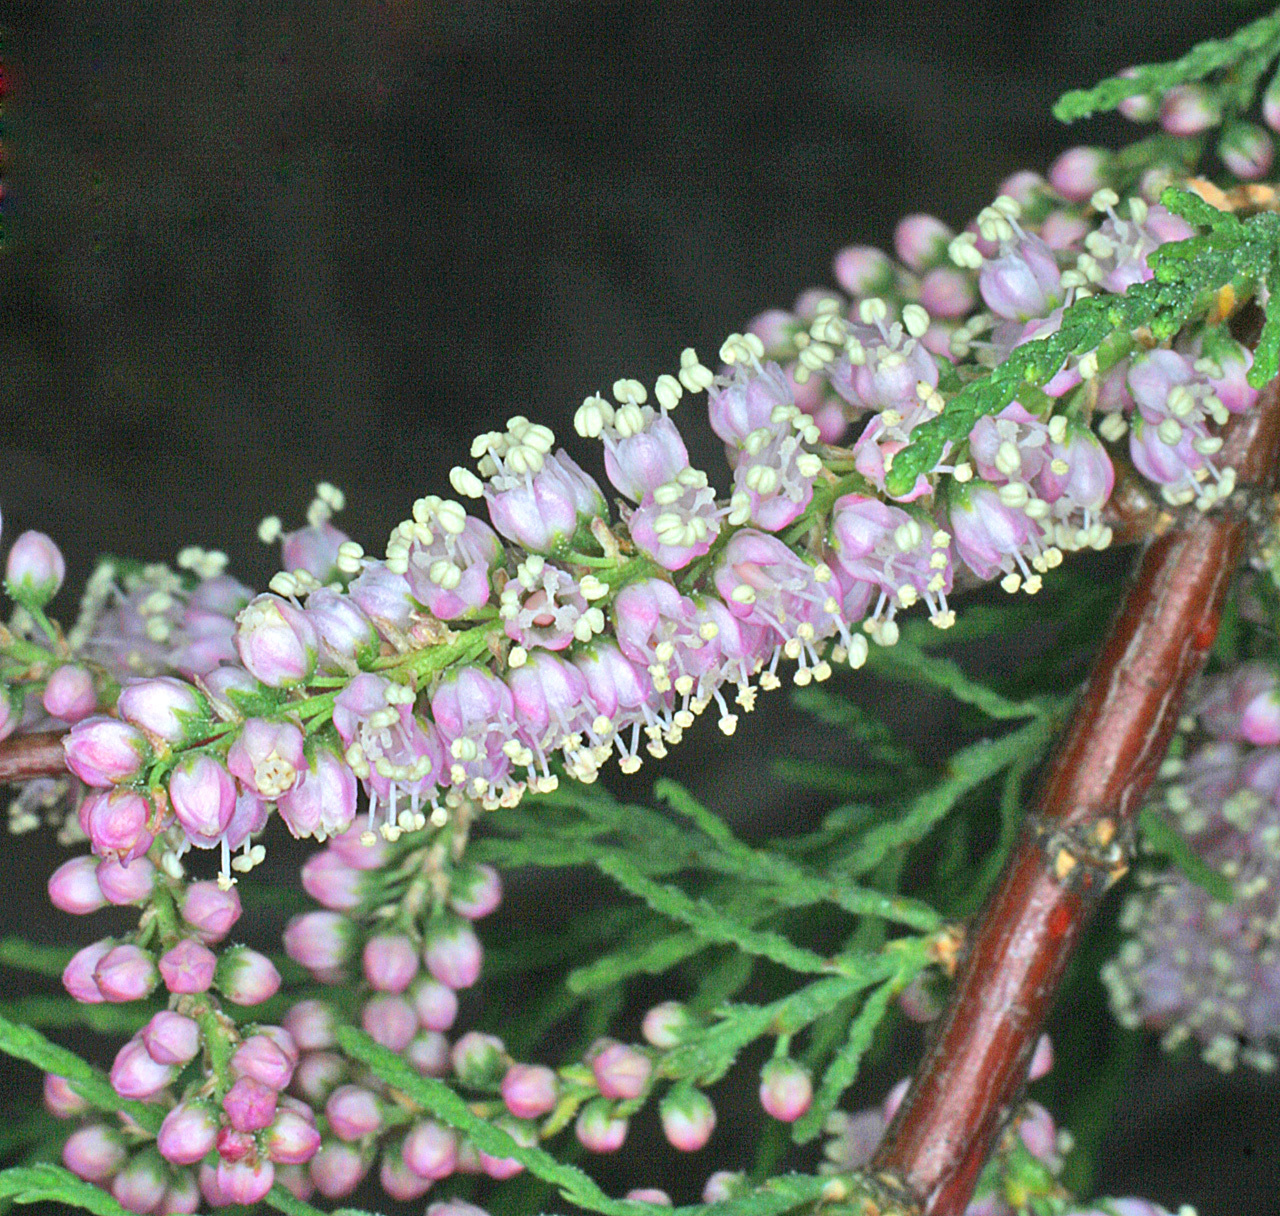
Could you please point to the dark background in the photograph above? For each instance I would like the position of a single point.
(252, 246)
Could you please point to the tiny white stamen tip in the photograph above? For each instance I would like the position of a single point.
(269, 529)
(1104, 198)
(518, 656)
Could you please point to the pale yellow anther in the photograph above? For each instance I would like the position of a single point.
(1014, 495)
(915, 320)
(907, 595)
(708, 630)
(592, 588)
(629, 420)
(872, 309)
(1113, 427)
(630, 392)
(693, 375)
(1008, 459)
(1059, 466)
(963, 472)
(269, 529)
(1104, 198)
(743, 593)
(517, 656)
(465, 482)
(452, 517)
(1011, 582)
(592, 416)
(282, 584)
(1169, 431)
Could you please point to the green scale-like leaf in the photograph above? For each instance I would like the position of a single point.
(48, 1183)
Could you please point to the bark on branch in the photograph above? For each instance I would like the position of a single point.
(1077, 839)
(23, 757)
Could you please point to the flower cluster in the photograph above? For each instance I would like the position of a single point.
(1193, 967)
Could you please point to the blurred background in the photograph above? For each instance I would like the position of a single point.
(249, 246)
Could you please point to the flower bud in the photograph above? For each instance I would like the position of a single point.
(724, 1185)
(203, 796)
(429, 1053)
(104, 751)
(125, 973)
(246, 977)
(390, 962)
(94, 1152)
(344, 631)
(242, 1182)
(323, 801)
(353, 1112)
(650, 1194)
(786, 1089)
(620, 1071)
(276, 642)
(475, 891)
(250, 1105)
(125, 882)
(863, 270)
(389, 1020)
(270, 1060)
(34, 570)
(171, 1038)
(530, 1090)
(1188, 109)
(523, 1133)
(163, 708)
(597, 1129)
(210, 911)
(921, 241)
(435, 1004)
(430, 1150)
(1079, 172)
(61, 1100)
(311, 1024)
(73, 886)
(10, 712)
(134, 1074)
(688, 1118)
(1246, 150)
(460, 1207)
(397, 1179)
(320, 941)
(267, 757)
(478, 1059)
(188, 967)
(70, 694)
(116, 823)
(77, 977)
(453, 954)
(188, 1133)
(141, 1184)
(182, 1196)
(337, 1169)
(317, 1074)
(666, 1024)
(291, 1139)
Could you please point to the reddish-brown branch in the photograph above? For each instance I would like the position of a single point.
(1077, 839)
(23, 757)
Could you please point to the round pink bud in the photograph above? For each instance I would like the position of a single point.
(181, 1197)
(312, 1025)
(210, 911)
(320, 941)
(650, 1194)
(126, 882)
(921, 241)
(10, 712)
(104, 751)
(723, 1185)
(435, 1003)
(397, 1179)
(234, 1145)
(250, 1105)
(134, 1074)
(77, 977)
(429, 1053)
(352, 848)
(203, 796)
(171, 1038)
(460, 1207)
(1246, 150)
(1037, 1131)
(266, 1059)
(116, 823)
(1188, 109)
(664, 1025)
(125, 973)
(73, 886)
(453, 954)
(688, 1118)
(786, 1089)
(95, 1152)
(276, 641)
(478, 1059)
(160, 706)
(317, 1074)
(431, 1150)
(353, 1112)
(70, 694)
(141, 1184)
(863, 270)
(188, 1133)
(389, 1020)
(188, 967)
(620, 1071)
(243, 1181)
(292, 1139)
(35, 569)
(530, 1090)
(475, 891)
(337, 1169)
(523, 1133)
(597, 1129)
(246, 977)
(390, 962)
(1079, 171)
(61, 1099)
(322, 801)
